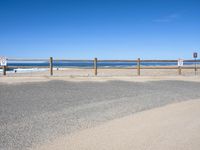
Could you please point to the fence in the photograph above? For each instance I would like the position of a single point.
(95, 62)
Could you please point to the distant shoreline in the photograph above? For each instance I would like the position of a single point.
(41, 67)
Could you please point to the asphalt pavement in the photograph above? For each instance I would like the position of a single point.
(34, 113)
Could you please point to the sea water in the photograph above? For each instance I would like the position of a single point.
(37, 66)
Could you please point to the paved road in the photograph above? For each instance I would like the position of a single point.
(33, 113)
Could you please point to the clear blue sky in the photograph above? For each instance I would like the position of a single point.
(107, 29)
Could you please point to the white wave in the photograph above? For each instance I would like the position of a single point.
(27, 70)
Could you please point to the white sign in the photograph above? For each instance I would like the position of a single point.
(3, 61)
(180, 62)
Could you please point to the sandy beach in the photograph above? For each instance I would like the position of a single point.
(37, 112)
(75, 72)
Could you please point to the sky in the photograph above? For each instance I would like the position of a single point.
(106, 29)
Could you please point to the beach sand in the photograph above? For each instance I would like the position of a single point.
(72, 72)
(172, 127)
(39, 79)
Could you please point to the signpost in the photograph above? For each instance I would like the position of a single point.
(180, 64)
(195, 55)
(3, 62)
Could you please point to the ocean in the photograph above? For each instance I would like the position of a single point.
(37, 66)
(90, 64)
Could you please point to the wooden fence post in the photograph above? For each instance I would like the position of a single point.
(51, 65)
(95, 66)
(179, 70)
(4, 70)
(138, 67)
